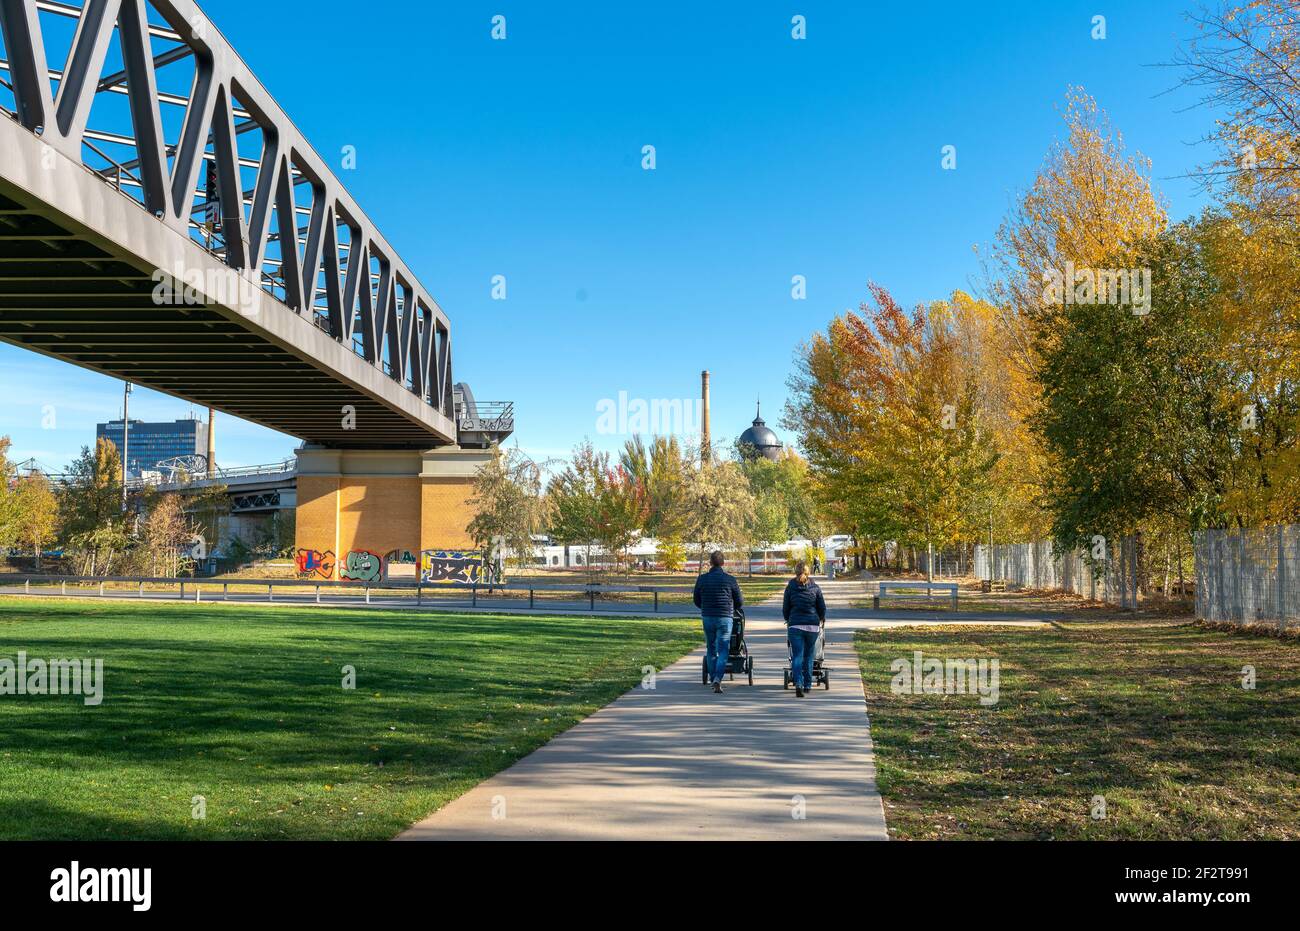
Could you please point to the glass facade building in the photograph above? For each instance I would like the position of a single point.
(152, 443)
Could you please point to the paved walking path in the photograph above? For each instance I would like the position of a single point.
(679, 762)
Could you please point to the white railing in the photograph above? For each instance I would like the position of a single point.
(217, 475)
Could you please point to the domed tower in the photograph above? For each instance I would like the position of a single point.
(759, 440)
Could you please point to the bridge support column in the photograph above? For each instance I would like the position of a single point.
(356, 508)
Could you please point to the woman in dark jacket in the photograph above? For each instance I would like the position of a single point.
(804, 610)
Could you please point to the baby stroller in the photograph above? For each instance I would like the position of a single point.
(820, 674)
(738, 658)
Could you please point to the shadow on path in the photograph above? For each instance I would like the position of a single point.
(678, 762)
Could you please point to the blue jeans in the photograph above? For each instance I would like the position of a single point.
(803, 650)
(717, 644)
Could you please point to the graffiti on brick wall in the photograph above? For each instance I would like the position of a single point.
(315, 564)
(402, 565)
(452, 567)
(362, 566)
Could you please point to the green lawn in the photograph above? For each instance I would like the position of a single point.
(1151, 716)
(756, 588)
(244, 706)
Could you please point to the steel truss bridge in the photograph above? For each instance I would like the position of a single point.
(250, 489)
(163, 221)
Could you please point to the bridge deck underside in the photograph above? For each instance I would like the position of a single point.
(65, 297)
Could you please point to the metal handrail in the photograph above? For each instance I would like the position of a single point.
(581, 587)
(121, 170)
(285, 465)
(274, 468)
(485, 415)
(488, 409)
(197, 584)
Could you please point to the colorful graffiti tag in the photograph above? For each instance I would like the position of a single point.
(401, 565)
(362, 566)
(452, 567)
(315, 564)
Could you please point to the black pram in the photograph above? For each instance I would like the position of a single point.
(820, 675)
(738, 658)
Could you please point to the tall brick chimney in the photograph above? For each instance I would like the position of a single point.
(212, 442)
(705, 444)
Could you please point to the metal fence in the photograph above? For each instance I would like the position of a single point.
(1250, 576)
(614, 598)
(1112, 579)
(948, 564)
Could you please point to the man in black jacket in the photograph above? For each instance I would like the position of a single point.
(717, 595)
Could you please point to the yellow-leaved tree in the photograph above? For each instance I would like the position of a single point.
(1090, 207)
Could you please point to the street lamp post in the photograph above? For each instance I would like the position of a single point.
(126, 440)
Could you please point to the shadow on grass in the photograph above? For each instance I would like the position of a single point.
(246, 706)
(1153, 718)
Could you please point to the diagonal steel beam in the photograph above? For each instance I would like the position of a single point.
(21, 27)
(85, 63)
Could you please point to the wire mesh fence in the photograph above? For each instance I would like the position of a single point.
(1113, 577)
(1250, 576)
(948, 564)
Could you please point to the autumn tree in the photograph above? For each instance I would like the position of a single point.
(208, 509)
(783, 489)
(1110, 379)
(1245, 62)
(90, 509)
(573, 498)
(893, 424)
(35, 512)
(622, 508)
(837, 408)
(770, 521)
(508, 504)
(1005, 500)
(719, 509)
(672, 554)
(1185, 417)
(941, 452)
(167, 536)
(661, 468)
(594, 503)
(8, 512)
(1090, 207)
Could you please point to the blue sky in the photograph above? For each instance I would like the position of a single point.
(775, 158)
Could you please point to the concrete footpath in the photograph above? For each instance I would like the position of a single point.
(678, 762)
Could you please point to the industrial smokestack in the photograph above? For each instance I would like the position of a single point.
(705, 445)
(212, 441)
